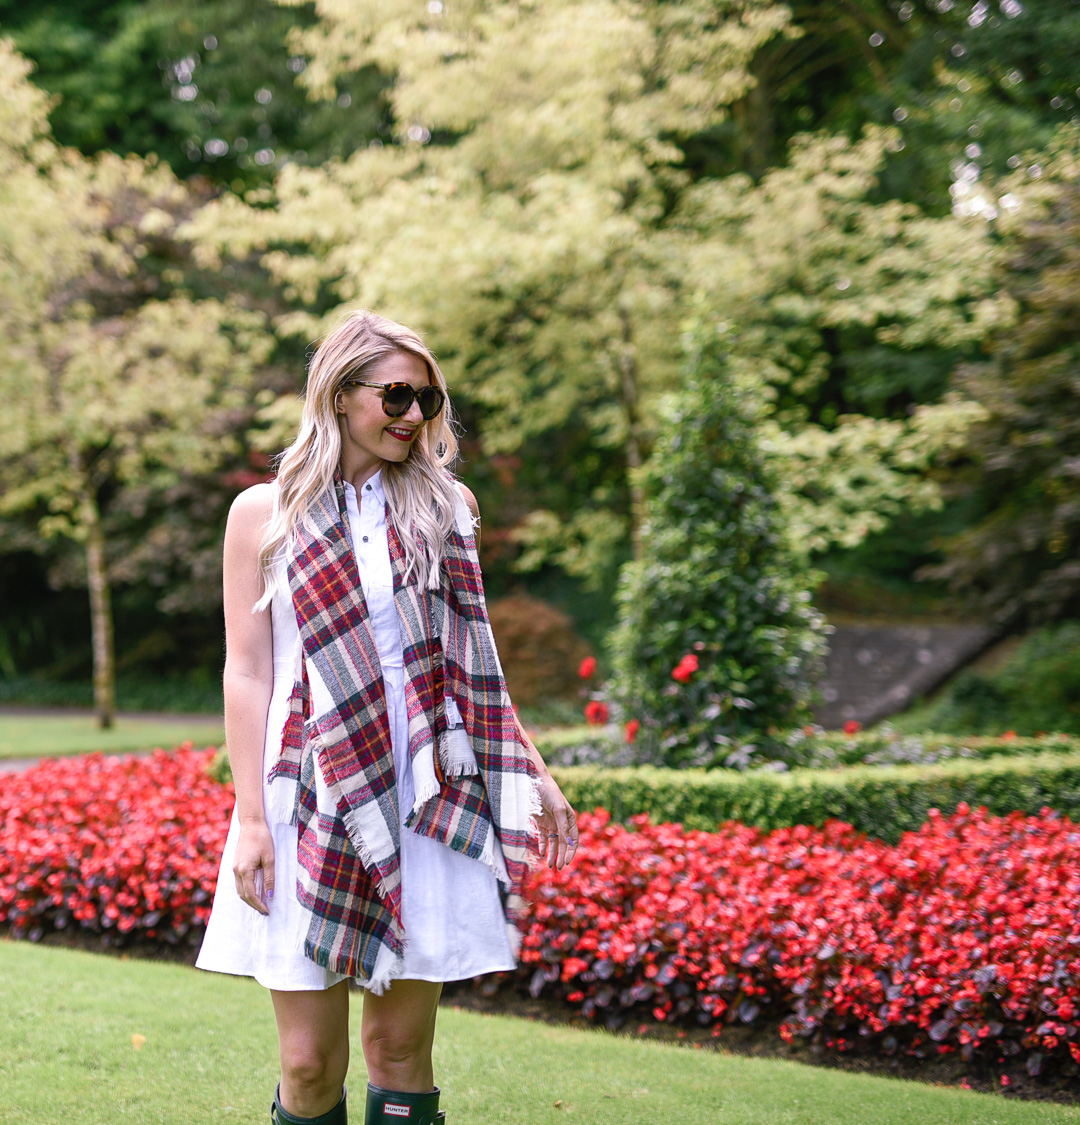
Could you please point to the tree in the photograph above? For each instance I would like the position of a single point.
(536, 219)
(717, 644)
(209, 88)
(1018, 561)
(116, 379)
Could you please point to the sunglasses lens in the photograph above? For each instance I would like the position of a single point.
(397, 398)
(431, 401)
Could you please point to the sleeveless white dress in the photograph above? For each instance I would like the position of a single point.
(450, 907)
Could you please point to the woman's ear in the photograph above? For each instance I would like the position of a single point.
(339, 406)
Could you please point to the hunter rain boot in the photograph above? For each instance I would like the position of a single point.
(339, 1115)
(392, 1107)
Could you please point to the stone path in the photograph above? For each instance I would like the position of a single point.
(874, 671)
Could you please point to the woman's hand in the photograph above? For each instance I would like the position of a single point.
(253, 865)
(557, 822)
(557, 825)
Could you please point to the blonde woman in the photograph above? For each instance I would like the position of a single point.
(385, 791)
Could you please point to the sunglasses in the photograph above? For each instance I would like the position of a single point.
(397, 398)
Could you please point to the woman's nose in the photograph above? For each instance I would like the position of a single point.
(413, 413)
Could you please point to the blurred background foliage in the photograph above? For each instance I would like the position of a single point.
(876, 200)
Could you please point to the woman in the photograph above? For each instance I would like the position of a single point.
(385, 790)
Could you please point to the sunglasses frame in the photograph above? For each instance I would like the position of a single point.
(384, 387)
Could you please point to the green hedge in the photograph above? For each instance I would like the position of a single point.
(883, 801)
(811, 747)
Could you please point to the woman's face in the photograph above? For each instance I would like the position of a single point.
(369, 436)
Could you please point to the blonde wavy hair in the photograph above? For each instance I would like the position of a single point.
(420, 490)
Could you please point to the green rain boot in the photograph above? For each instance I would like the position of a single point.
(339, 1115)
(391, 1107)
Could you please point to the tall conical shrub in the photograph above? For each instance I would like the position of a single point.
(717, 642)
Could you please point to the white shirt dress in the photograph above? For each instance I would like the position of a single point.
(450, 907)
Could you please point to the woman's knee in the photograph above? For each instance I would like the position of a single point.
(397, 1032)
(387, 1045)
(313, 1042)
(312, 1064)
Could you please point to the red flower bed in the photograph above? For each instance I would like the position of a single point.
(963, 937)
(119, 846)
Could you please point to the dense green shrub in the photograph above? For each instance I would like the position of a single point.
(717, 642)
(883, 801)
(808, 747)
(587, 746)
(883, 746)
(1038, 689)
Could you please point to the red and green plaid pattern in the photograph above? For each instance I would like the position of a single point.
(349, 871)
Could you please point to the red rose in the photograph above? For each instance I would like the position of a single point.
(686, 667)
(631, 729)
(852, 726)
(587, 667)
(596, 713)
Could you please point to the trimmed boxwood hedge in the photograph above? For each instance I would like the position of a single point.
(811, 747)
(882, 801)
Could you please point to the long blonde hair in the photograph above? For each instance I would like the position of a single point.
(420, 490)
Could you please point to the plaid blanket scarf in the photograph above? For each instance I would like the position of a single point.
(480, 804)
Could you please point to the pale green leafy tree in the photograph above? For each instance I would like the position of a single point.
(805, 258)
(109, 378)
(534, 220)
(518, 221)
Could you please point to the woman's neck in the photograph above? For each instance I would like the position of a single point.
(358, 471)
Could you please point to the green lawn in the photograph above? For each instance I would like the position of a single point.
(206, 1052)
(33, 736)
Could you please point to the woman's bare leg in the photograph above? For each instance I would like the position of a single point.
(313, 1043)
(397, 1030)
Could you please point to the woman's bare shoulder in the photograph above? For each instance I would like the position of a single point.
(254, 506)
(470, 499)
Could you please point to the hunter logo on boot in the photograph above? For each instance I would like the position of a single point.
(395, 1110)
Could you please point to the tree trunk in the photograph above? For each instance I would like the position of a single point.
(101, 621)
(629, 376)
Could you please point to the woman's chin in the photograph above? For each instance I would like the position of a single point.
(394, 450)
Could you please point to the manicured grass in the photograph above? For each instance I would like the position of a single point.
(72, 1050)
(34, 736)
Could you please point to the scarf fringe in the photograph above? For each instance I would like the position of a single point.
(367, 858)
(382, 977)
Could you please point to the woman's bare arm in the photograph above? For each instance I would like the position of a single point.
(557, 823)
(248, 684)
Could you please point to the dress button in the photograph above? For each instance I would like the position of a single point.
(368, 487)
(365, 538)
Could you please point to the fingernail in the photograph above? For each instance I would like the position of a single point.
(270, 894)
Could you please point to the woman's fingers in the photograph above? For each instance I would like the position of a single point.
(253, 869)
(558, 836)
(268, 879)
(248, 887)
(567, 835)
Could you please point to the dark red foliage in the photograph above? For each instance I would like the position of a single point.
(963, 937)
(118, 846)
